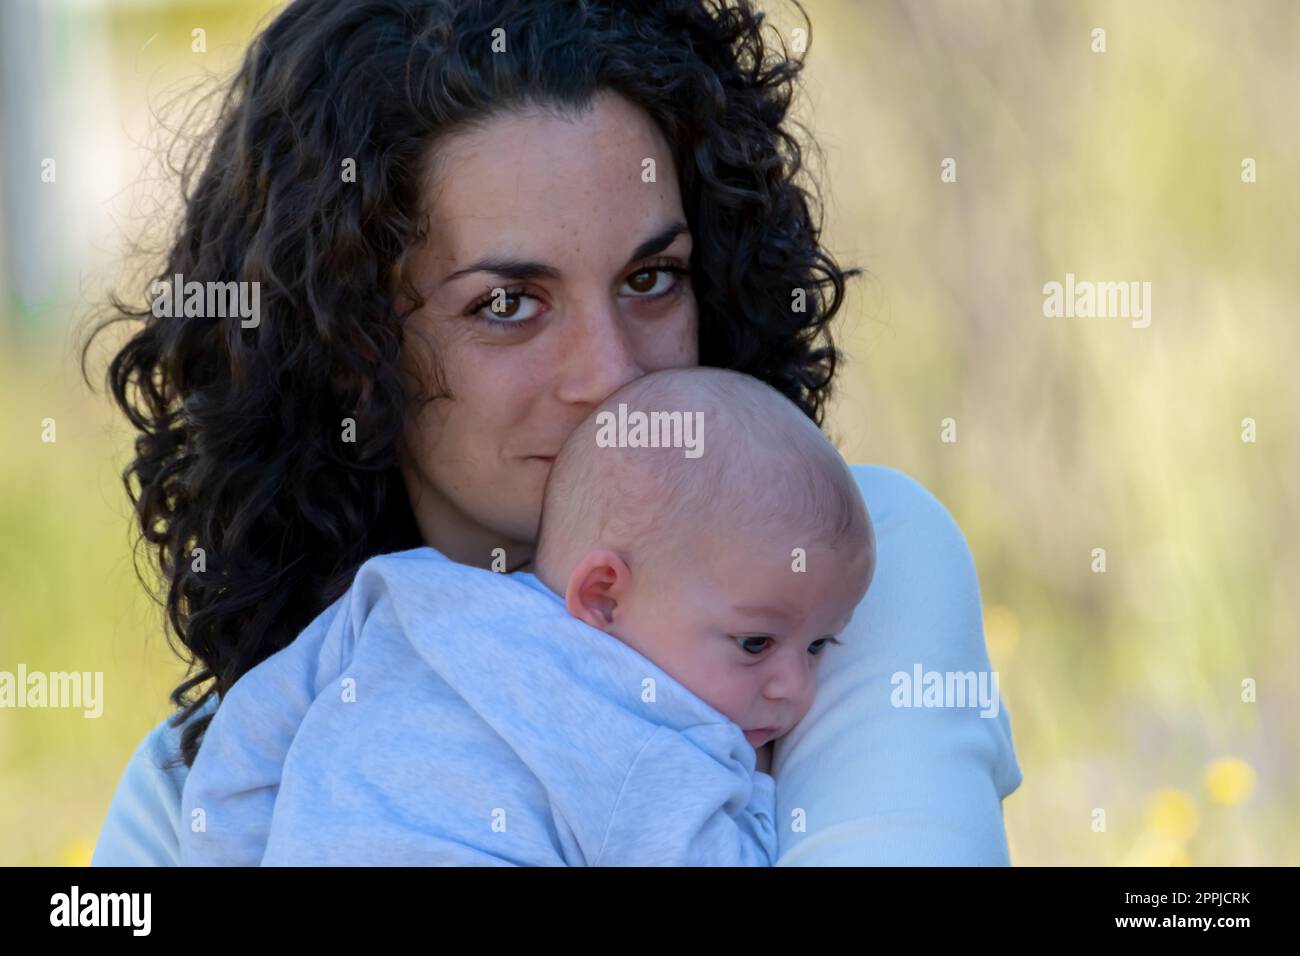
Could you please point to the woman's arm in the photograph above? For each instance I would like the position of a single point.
(863, 780)
(142, 825)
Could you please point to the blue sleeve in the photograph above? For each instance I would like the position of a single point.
(863, 781)
(228, 799)
(142, 824)
(688, 802)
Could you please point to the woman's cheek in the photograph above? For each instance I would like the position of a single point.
(686, 345)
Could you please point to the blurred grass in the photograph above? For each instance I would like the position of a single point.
(69, 601)
(69, 596)
(1124, 688)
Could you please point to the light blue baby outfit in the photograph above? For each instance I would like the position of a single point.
(440, 714)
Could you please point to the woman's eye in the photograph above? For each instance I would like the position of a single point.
(505, 307)
(746, 644)
(647, 283)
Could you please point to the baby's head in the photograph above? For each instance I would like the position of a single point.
(731, 560)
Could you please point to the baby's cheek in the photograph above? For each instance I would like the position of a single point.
(734, 700)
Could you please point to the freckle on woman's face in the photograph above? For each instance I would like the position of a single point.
(527, 355)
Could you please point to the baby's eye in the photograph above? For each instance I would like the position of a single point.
(816, 647)
(746, 642)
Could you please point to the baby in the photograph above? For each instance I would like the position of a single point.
(733, 570)
(613, 706)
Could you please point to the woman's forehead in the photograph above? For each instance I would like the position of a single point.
(541, 186)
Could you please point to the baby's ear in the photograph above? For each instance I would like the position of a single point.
(600, 582)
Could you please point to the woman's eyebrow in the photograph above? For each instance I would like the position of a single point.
(520, 269)
(658, 242)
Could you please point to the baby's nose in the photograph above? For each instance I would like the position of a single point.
(793, 682)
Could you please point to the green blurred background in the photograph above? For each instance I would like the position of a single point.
(1124, 687)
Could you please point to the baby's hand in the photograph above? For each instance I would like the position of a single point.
(763, 758)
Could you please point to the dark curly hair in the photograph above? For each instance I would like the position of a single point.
(239, 448)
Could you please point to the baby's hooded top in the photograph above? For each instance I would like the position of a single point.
(444, 714)
(441, 714)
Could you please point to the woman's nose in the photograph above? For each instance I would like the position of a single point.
(597, 355)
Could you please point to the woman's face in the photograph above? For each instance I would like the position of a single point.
(554, 274)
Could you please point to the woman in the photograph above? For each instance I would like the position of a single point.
(468, 228)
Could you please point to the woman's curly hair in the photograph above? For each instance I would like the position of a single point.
(239, 450)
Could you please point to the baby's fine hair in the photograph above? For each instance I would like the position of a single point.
(763, 465)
